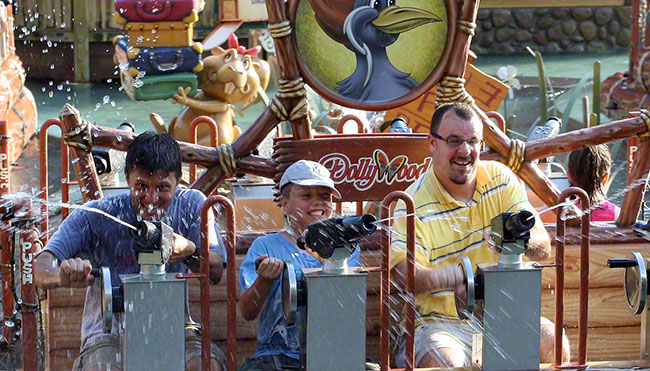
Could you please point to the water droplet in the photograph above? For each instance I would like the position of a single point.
(50, 94)
(59, 87)
(52, 66)
(106, 99)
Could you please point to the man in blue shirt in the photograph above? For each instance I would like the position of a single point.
(306, 197)
(89, 240)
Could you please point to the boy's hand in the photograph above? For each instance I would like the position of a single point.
(76, 273)
(269, 268)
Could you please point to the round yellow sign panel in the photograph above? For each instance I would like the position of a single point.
(372, 54)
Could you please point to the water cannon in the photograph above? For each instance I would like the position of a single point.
(111, 161)
(398, 125)
(154, 243)
(155, 302)
(642, 229)
(504, 298)
(549, 129)
(329, 303)
(636, 289)
(510, 233)
(335, 239)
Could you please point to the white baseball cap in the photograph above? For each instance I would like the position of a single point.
(308, 173)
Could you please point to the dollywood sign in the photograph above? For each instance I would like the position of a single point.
(364, 166)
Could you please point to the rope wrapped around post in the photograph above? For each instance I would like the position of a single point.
(645, 116)
(516, 155)
(84, 132)
(467, 27)
(452, 89)
(290, 89)
(281, 29)
(227, 160)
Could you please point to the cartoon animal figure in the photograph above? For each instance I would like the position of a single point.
(367, 27)
(230, 76)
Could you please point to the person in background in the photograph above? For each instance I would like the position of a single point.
(589, 169)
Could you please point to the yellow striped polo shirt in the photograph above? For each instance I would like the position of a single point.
(446, 228)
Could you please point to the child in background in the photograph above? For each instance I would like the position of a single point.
(589, 169)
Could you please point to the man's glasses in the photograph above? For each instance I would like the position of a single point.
(454, 141)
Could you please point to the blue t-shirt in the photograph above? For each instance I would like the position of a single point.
(273, 335)
(106, 243)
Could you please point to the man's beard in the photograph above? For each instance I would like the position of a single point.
(462, 177)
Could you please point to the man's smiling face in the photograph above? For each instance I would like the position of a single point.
(456, 165)
(151, 194)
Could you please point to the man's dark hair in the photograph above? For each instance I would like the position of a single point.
(462, 110)
(587, 167)
(154, 153)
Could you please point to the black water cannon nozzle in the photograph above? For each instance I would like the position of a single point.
(147, 233)
(154, 236)
(110, 161)
(325, 236)
(622, 263)
(510, 227)
(642, 229)
(518, 224)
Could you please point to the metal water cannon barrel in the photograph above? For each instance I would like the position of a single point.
(327, 235)
(509, 227)
(110, 161)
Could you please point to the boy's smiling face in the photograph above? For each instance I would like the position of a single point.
(306, 205)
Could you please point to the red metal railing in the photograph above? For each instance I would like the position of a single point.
(584, 279)
(204, 277)
(384, 295)
(214, 137)
(501, 122)
(18, 239)
(65, 176)
(27, 244)
(5, 257)
(339, 130)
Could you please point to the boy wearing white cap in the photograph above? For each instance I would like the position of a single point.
(306, 197)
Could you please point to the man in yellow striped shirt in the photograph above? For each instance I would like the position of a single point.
(455, 202)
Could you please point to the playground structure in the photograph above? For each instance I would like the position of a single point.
(290, 105)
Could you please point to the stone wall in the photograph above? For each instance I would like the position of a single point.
(552, 30)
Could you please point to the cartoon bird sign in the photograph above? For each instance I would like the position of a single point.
(371, 54)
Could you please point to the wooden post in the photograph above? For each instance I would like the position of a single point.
(81, 30)
(638, 180)
(84, 167)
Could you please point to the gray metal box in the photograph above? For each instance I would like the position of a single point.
(510, 313)
(154, 323)
(335, 336)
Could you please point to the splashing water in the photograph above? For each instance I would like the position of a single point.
(22, 196)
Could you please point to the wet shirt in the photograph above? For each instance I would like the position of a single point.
(446, 228)
(274, 337)
(106, 243)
